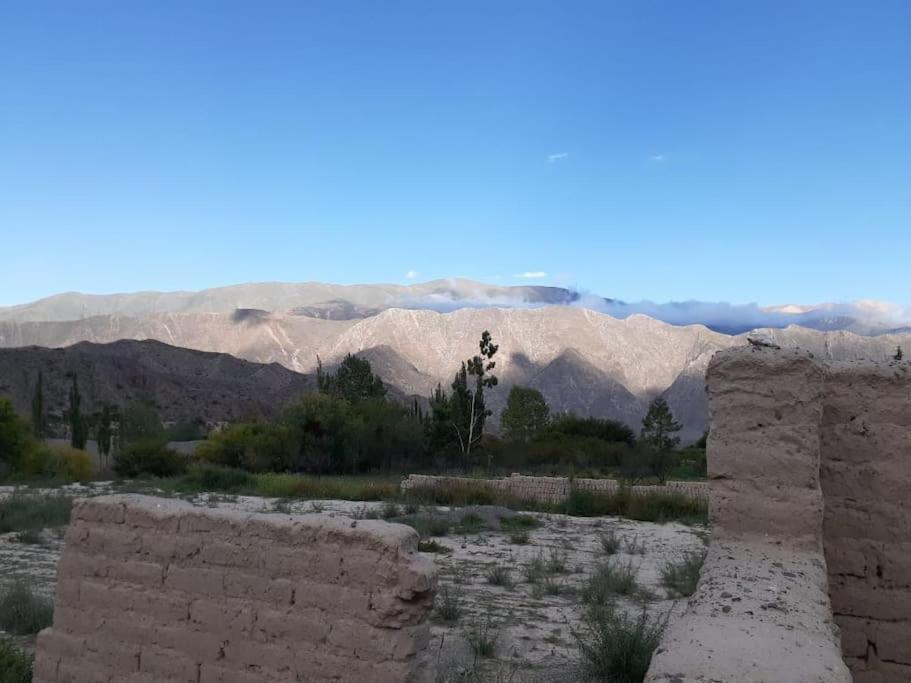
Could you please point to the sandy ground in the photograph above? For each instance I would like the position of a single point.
(534, 630)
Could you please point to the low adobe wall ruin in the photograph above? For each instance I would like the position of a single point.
(809, 465)
(151, 589)
(550, 489)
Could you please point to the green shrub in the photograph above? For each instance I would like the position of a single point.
(428, 525)
(23, 512)
(149, 458)
(519, 538)
(274, 485)
(617, 648)
(610, 542)
(519, 523)
(448, 604)
(61, 463)
(609, 579)
(470, 524)
(23, 612)
(535, 569)
(15, 664)
(499, 575)
(657, 506)
(222, 479)
(482, 638)
(432, 546)
(682, 576)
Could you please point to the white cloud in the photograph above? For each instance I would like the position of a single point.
(554, 158)
(657, 158)
(532, 274)
(412, 274)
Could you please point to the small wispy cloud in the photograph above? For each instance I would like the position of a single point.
(412, 274)
(556, 158)
(657, 158)
(532, 274)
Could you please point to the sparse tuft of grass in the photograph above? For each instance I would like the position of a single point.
(519, 538)
(682, 576)
(610, 542)
(448, 605)
(15, 664)
(433, 547)
(499, 575)
(519, 523)
(428, 525)
(633, 546)
(535, 569)
(390, 510)
(25, 512)
(482, 638)
(29, 536)
(616, 647)
(609, 579)
(470, 524)
(556, 562)
(23, 612)
(548, 585)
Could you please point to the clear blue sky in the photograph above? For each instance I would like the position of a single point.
(664, 150)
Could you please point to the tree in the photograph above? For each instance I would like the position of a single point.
(104, 432)
(526, 414)
(139, 421)
(898, 354)
(14, 437)
(468, 411)
(78, 432)
(353, 381)
(658, 440)
(38, 414)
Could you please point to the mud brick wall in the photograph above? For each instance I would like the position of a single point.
(549, 489)
(866, 479)
(810, 473)
(153, 589)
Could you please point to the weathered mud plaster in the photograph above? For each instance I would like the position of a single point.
(151, 589)
(762, 611)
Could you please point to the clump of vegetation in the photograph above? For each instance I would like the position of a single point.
(15, 664)
(448, 605)
(56, 463)
(482, 638)
(209, 478)
(149, 457)
(519, 523)
(390, 510)
(470, 524)
(22, 512)
(610, 579)
(499, 575)
(610, 542)
(428, 525)
(519, 538)
(616, 647)
(682, 576)
(23, 612)
(535, 569)
(556, 562)
(29, 536)
(633, 546)
(650, 506)
(548, 585)
(433, 547)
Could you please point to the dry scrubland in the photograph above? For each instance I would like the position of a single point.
(514, 588)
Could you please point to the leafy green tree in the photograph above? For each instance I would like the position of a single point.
(39, 418)
(139, 421)
(468, 410)
(14, 437)
(526, 414)
(78, 428)
(658, 439)
(353, 381)
(570, 425)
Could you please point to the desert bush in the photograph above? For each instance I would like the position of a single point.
(482, 638)
(548, 585)
(23, 612)
(609, 579)
(519, 523)
(428, 525)
(448, 605)
(556, 562)
(149, 458)
(390, 510)
(535, 569)
(610, 542)
(470, 524)
(681, 577)
(633, 546)
(14, 438)
(519, 538)
(15, 664)
(208, 478)
(433, 546)
(60, 463)
(23, 512)
(616, 647)
(657, 506)
(499, 575)
(274, 485)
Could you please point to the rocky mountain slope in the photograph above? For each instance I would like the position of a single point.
(183, 384)
(581, 360)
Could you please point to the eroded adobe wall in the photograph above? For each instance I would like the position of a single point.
(761, 612)
(152, 589)
(866, 479)
(550, 489)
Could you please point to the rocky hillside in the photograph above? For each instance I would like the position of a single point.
(581, 360)
(183, 384)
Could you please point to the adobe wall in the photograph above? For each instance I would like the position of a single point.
(550, 489)
(810, 467)
(866, 481)
(153, 589)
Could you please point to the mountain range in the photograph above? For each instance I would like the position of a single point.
(581, 359)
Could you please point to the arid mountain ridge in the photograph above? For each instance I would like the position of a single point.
(582, 360)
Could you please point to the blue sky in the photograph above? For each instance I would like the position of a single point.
(660, 150)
